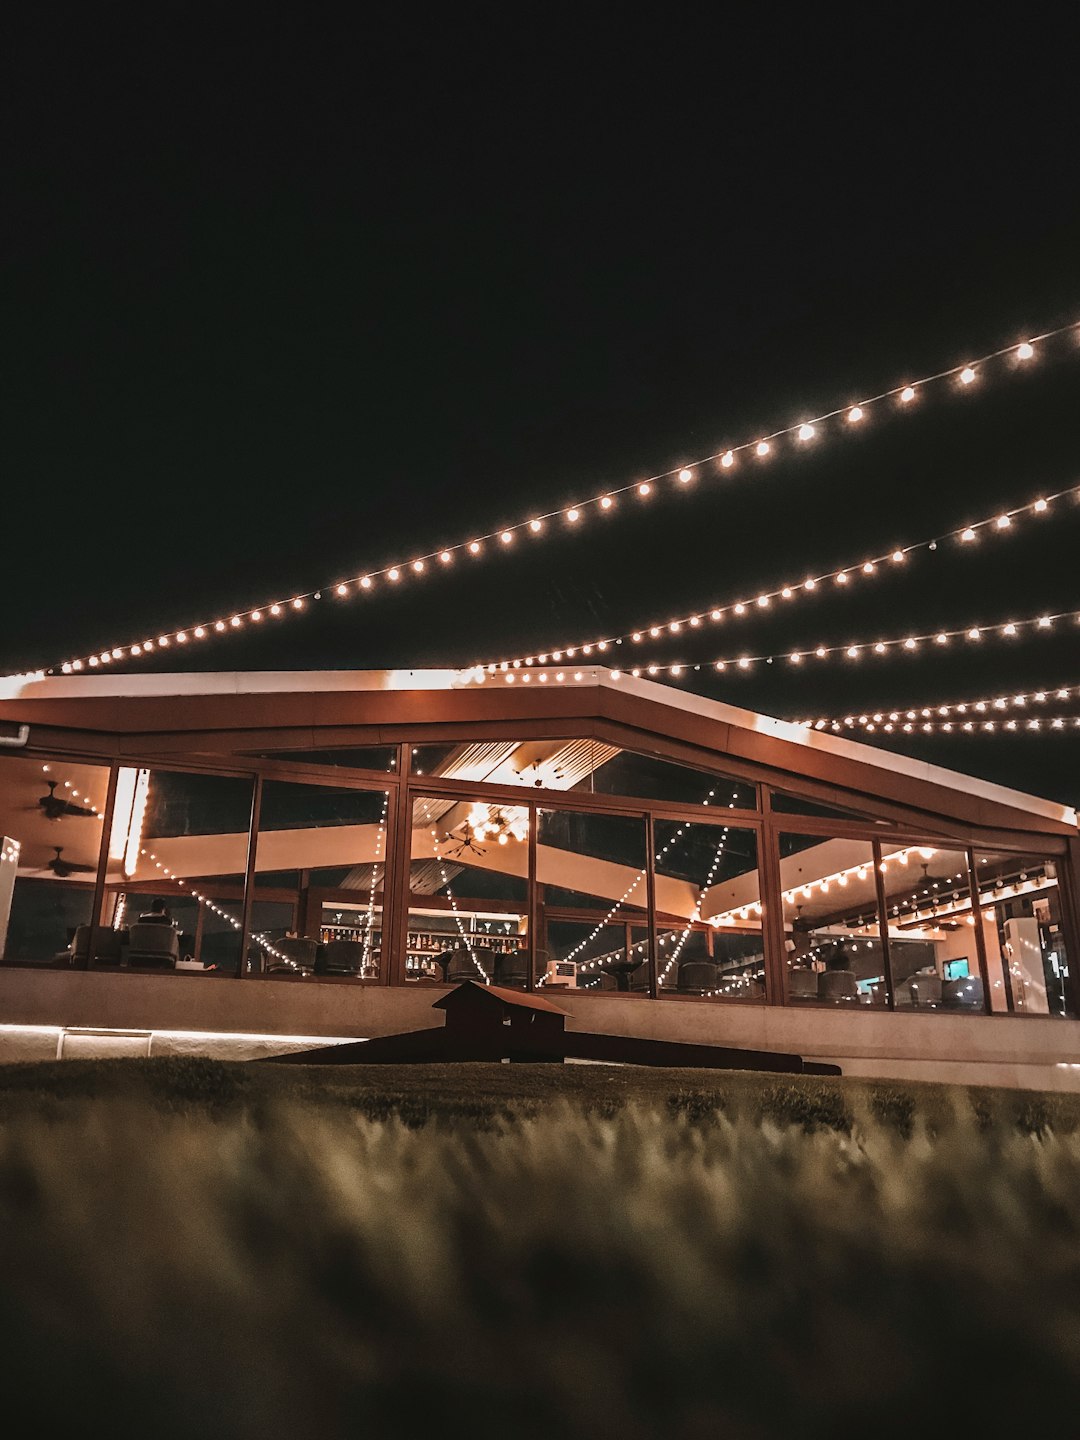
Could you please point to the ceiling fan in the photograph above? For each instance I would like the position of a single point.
(60, 867)
(56, 807)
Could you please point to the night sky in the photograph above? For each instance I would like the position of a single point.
(284, 302)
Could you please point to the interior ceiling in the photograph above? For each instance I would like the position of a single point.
(24, 820)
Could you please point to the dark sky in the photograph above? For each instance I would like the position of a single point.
(285, 301)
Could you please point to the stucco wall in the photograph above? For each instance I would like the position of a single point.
(243, 1019)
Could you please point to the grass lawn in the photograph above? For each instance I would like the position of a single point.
(200, 1248)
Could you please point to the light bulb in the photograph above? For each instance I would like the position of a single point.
(644, 489)
(968, 534)
(806, 432)
(854, 415)
(762, 447)
(474, 547)
(1003, 522)
(506, 537)
(393, 574)
(1024, 351)
(727, 460)
(907, 394)
(686, 476)
(1039, 506)
(967, 375)
(606, 502)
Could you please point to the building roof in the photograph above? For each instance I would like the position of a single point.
(515, 999)
(131, 704)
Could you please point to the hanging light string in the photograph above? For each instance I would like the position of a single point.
(261, 939)
(473, 955)
(537, 525)
(599, 960)
(980, 708)
(1042, 723)
(369, 918)
(1002, 522)
(935, 639)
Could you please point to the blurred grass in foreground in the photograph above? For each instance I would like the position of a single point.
(210, 1250)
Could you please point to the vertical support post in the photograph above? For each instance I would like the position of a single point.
(650, 890)
(980, 938)
(249, 875)
(401, 864)
(533, 899)
(883, 925)
(98, 902)
(772, 916)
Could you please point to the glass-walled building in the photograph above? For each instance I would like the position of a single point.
(333, 850)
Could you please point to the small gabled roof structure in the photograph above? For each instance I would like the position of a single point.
(471, 992)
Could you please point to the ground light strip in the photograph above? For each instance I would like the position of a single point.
(1002, 522)
(802, 433)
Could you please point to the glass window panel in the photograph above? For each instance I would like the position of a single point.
(364, 757)
(177, 864)
(50, 841)
(592, 891)
(1026, 957)
(320, 868)
(931, 929)
(832, 937)
(800, 805)
(707, 872)
(589, 766)
(468, 893)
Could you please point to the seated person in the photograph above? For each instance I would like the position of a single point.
(158, 914)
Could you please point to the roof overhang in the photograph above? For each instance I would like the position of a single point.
(133, 705)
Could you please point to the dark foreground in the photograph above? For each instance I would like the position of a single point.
(197, 1249)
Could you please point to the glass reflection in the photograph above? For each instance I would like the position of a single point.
(1026, 958)
(932, 944)
(592, 896)
(832, 937)
(706, 875)
(468, 893)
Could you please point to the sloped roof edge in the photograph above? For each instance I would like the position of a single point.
(118, 685)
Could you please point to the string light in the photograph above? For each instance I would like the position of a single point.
(1056, 724)
(473, 956)
(856, 650)
(977, 709)
(998, 523)
(727, 459)
(597, 961)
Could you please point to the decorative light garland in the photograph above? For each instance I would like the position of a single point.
(1004, 630)
(583, 944)
(473, 956)
(980, 707)
(84, 800)
(1001, 522)
(968, 727)
(604, 502)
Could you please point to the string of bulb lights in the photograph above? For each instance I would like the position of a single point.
(473, 956)
(1053, 724)
(598, 961)
(1002, 522)
(680, 478)
(981, 706)
(854, 650)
